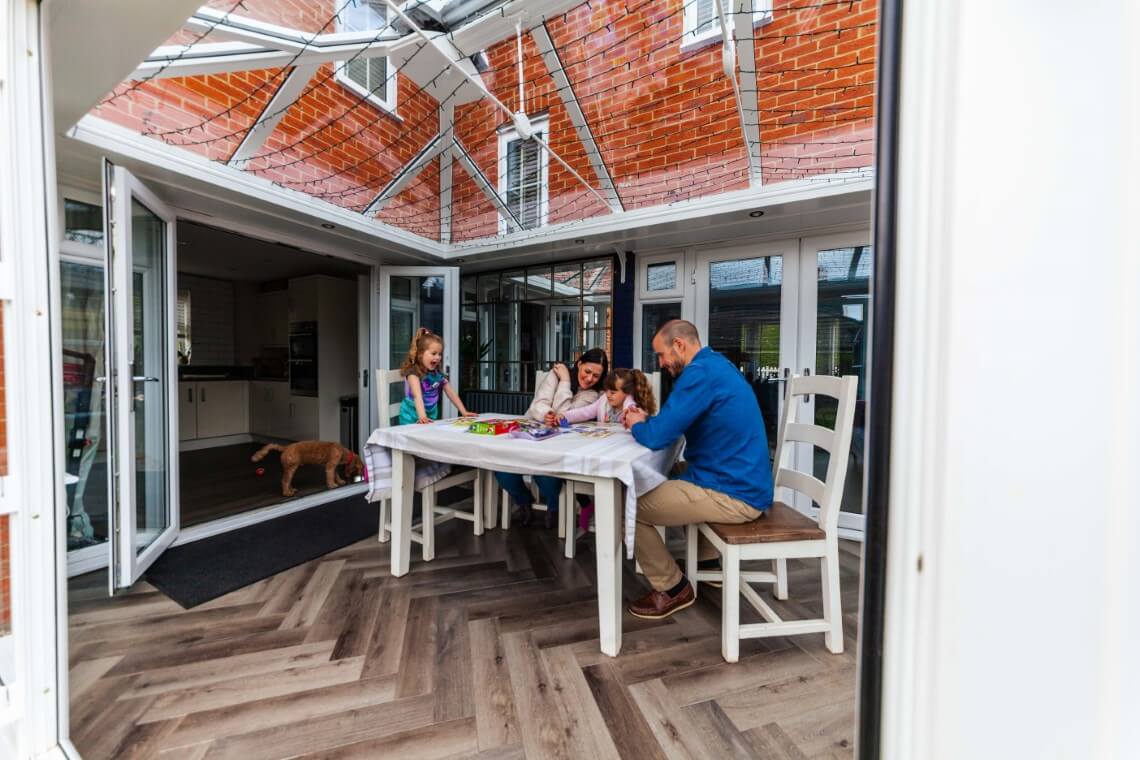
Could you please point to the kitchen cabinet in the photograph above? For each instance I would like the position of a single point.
(212, 409)
(187, 412)
(223, 408)
(274, 413)
(304, 298)
(274, 318)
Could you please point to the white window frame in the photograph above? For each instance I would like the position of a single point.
(387, 103)
(677, 258)
(507, 135)
(692, 40)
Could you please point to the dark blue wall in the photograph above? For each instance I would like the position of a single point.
(624, 294)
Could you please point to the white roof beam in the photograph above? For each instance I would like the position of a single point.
(739, 49)
(174, 61)
(447, 130)
(274, 111)
(484, 184)
(433, 148)
(549, 54)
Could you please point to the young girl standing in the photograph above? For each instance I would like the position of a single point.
(624, 388)
(423, 381)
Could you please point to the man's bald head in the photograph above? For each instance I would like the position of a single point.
(679, 329)
(676, 343)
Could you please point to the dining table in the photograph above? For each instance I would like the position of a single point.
(606, 456)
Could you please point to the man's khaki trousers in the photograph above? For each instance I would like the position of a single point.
(679, 502)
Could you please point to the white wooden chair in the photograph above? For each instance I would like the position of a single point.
(431, 515)
(573, 488)
(784, 533)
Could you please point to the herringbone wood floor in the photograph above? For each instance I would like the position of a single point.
(490, 651)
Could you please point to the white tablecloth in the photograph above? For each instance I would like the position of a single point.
(616, 456)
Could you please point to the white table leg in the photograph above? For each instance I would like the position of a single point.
(609, 520)
(403, 486)
(490, 500)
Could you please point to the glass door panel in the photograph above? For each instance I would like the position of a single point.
(140, 324)
(745, 316)
(415, 297)
(841, 319)
(84, 373)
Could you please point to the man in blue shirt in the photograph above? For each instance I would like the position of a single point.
(728, 478)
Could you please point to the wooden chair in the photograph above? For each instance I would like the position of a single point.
(425, 536)
(570, 515)
(784, 533)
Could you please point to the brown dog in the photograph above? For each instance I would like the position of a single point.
(330, 455)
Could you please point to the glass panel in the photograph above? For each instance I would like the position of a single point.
(415, 302)
(513, 285)
(661, 276)
(653, 315)
(566, 338)
(148, 250)
(744, 325)
(597, 276)
(488, 288)
(85, 445)
(841, 349)
(567, 280)
(82, 222)
(467, 287)
(539, 282)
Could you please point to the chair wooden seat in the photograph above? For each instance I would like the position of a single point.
(778, 523)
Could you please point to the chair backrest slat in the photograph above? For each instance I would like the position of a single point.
(802, 482)
(385, 405)
(828, 493)
(816, 435)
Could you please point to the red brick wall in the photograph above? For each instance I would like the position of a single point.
(665, 121)
(331, 144)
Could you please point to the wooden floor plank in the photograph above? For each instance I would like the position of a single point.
(490, 652)
(328, 732)
(440, 740)
(233, 720)
(495, 716)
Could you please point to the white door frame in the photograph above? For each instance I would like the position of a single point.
(851, 525)
(450, 277)
(122, 455)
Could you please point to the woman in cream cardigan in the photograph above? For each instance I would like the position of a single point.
(563, 388)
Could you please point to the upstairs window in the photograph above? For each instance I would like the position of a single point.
(702, 24)
(523, 174)
(367, 76)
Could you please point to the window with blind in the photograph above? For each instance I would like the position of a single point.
(368, 76)
(523, 179)
(702, 24)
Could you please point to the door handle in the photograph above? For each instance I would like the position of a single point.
(202, 395)
(144, 379)
(190, 395)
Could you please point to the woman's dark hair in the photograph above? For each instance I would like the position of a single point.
(593, 356)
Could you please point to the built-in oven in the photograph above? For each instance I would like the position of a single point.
(303, 358)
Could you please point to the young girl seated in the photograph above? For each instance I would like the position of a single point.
(624, 388)
(423, 381)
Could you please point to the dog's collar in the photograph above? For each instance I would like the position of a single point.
(351, 456)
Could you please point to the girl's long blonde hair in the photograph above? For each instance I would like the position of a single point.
(421, 341)
(636, 384)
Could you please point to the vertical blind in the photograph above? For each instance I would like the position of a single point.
(524, 182)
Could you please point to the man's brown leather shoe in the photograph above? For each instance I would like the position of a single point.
(657, 605)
